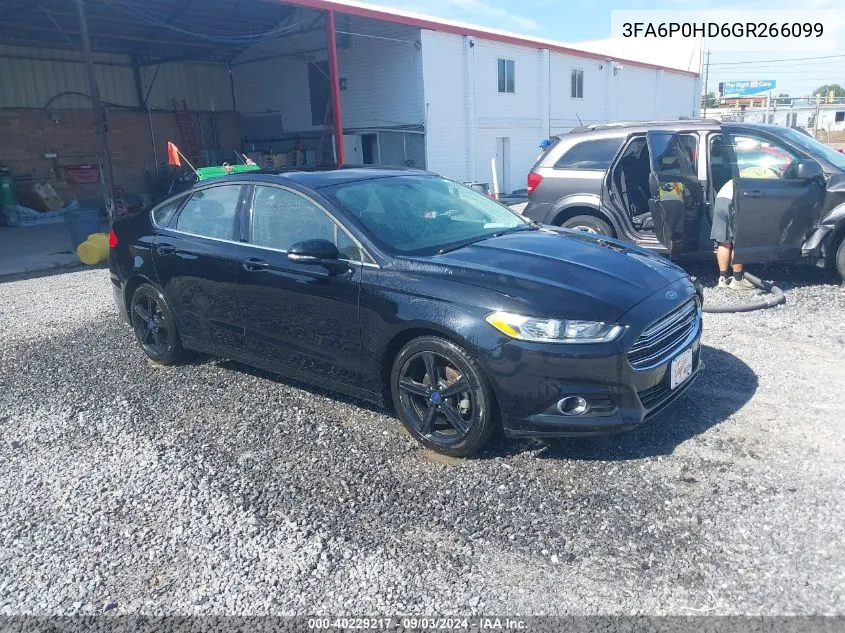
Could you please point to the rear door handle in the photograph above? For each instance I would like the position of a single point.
(754, 193)
(255, 264)
(165, 249)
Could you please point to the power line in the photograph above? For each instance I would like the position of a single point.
(821, 64)
(783, 59)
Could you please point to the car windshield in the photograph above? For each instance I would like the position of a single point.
(423, 215)
(815, 148)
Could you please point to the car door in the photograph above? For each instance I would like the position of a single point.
(196, 259)
(300, 317)
(676, 193)
(773, 210)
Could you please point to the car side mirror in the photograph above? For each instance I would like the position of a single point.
(319, 252)
(806, 170)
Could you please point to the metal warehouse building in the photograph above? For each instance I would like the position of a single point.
(283, 79)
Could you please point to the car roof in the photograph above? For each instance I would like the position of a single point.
(318, 178)
(628, 127)
(624, 128)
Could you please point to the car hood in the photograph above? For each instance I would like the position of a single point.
(555, 272)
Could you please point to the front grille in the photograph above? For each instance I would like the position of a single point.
(653, 396)
(661, 339)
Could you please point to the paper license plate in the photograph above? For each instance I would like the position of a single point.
(681, 368)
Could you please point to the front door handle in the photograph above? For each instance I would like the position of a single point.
(754, 193)
(165, 249)
(255, 264)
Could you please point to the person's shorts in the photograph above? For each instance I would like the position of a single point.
(721, 231)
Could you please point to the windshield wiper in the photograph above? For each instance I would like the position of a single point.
(475, 240)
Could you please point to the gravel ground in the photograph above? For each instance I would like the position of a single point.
(211, 488)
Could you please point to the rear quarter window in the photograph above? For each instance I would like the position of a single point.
(163, 213)
(592, 154)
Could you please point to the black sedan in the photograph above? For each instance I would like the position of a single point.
(414, 292)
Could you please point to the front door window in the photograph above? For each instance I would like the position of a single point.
(281, 218)
(759, 158)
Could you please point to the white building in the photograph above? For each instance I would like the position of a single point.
(803, 113)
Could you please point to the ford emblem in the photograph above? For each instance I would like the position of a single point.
(671, 295)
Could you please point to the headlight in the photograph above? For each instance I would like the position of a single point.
(553, 330)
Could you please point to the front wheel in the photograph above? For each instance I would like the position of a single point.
(588, 224)
(154, 326)
(442, 396)
(840, 260)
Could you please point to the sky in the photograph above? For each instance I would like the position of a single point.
(574, 21)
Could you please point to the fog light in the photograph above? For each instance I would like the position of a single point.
(573, 405)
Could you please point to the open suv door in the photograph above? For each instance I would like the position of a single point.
(778, 199)
(677, 197)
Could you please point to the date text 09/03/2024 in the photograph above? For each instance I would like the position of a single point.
(418, 624)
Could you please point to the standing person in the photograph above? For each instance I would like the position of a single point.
(730, 275)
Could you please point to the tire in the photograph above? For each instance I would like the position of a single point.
(588, 224)
(154, 326)
(840, 260)
(456, 424)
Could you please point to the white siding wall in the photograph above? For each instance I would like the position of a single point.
(463, 102)
(517, 117)
(446, 71)
(383, 77)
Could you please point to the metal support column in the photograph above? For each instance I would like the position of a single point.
(335, 87)
(99, 113)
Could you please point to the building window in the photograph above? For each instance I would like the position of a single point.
(506, 71)
(577, 83)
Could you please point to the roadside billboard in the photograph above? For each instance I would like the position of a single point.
(730, 89)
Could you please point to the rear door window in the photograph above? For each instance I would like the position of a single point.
(211, 212)
(595, 154)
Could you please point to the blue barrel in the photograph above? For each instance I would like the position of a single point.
(81, 223)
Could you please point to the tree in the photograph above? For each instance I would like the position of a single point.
(710, 101)
(825, 91)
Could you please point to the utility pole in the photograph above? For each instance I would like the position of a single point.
(706, 85)
(99, 113)
(816, 118)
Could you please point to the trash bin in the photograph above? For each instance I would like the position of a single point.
(480, 187)
(81, 223)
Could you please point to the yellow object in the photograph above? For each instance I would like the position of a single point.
(101, 241)
(88, 253)
(93, 250)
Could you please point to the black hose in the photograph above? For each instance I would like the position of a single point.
(774, 298)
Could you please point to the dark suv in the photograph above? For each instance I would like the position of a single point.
(654, 183)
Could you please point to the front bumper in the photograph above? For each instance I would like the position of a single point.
(529, 379)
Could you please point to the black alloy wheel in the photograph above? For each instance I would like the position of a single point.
(154, 326)
(441, 396)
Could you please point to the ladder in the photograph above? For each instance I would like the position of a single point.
(190, 141)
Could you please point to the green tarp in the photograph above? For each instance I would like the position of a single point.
(204, 173)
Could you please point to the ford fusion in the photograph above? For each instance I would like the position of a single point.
(416, 293)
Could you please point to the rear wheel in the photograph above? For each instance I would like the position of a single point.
(588, 224)
(442, 396)
(154, 326)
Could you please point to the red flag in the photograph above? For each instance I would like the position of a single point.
(173, 155)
